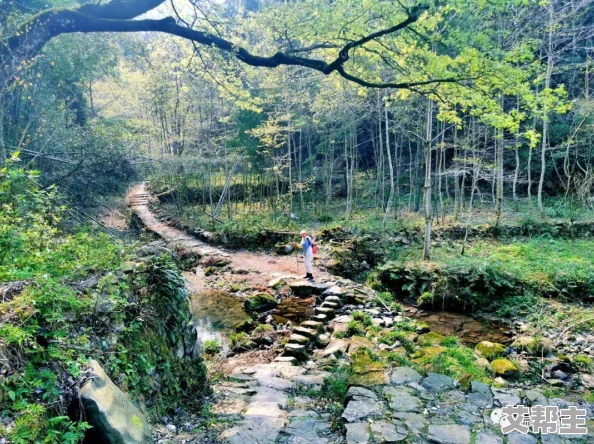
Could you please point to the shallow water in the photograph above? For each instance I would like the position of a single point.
(215, 315)
(470, 330)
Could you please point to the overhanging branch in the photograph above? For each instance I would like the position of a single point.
(117, 16)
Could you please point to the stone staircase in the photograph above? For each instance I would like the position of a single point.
(313, 333)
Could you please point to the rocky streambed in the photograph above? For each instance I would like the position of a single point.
(328, 362)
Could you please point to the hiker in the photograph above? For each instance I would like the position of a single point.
(308, 252)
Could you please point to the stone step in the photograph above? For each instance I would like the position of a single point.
(325, 310)
(315, 325)
(294, 349)
(298, 339)
(323, 340)
(332, 305)
(304, 331)
(335, 290)
(306, 288)
(290, 359)
(320, 318)
(334, 299)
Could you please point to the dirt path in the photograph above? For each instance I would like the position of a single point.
(139, 199)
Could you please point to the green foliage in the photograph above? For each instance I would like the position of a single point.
(509, 274)
(363, 318)
(583, 363)
(457, 362)
(263, 328)
(128, 318)
(211, 347)
(451, 341)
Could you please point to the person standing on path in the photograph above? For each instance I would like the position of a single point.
(308, 254)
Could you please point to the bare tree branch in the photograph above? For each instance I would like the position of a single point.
(117, 16)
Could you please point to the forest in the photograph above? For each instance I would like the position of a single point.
(159, 159)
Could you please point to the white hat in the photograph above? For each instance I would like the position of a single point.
(303, 232)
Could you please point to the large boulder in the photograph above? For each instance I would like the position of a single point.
(259, 302)
(431, 338)
(534, 346)
(284, 249)
(489, 350)
(111, 412)
(504, 367)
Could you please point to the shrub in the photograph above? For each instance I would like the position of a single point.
(263, 328)
(211, 347)
(363, 318)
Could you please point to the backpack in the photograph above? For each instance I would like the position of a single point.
(314, 248)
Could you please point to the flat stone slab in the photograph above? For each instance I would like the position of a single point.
(344, 319)
(487, 436)
(386, 432)
(335, 290)
(360, 393)
(295, 349)
(306, 288)
(336, 346)
(298, 339)
(304, 331)
(255, 430)
(357, 433)
(314, 325)
(334, 300)
(480, 387)
(520, 438)
(402, 399)
(276, 383)
(416, 422)
(264, 408)
(436, 383)
(311, 380)
(270, 395)
(505, 397)
(304, 430)
(240, 377)
(404, 375)
(320, 318)
(449, 434)
(481, 400)
(358, 410)
(324, 310)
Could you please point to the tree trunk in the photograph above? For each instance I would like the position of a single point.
(3, 153)
(390, 166)
(545, 117)
(427, 187)
(499, 142)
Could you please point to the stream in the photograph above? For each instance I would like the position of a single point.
(216, 313)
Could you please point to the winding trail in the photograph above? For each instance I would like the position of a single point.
(259, 392)
(139, 198)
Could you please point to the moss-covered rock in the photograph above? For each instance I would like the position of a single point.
(489, 350)
(358, 342)
(421, 327)
(259, 302)
(366, 371)
(504, 367)
(427, 352)
(431, 338)
(246, 326)
(534, 346)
